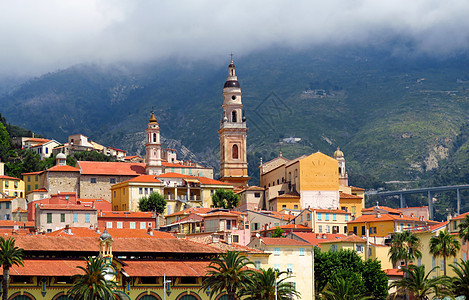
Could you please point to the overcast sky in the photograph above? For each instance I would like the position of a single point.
(41, 36)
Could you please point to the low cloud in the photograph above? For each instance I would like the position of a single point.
(42, 36)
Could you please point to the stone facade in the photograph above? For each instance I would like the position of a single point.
(61, 182)
(99, 186)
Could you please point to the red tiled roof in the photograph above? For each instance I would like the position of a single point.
(168, 268)
(111, 168)
(65, 168)
(347, 239)
(48, 267)
(283, 241)
(354, 188)
(394, 272)
(316, 238)
(335, 211)
(125, 214)
(115, 233)
(461, 216)
(343, 195)
(7, 199)
(8, 177)
(37, 140)
(11, 223)
(203, 180)
(144, 178)
(209, 181)
(129, 245)
(65, 207)
(39, 190)
(131, 156)
(277, 215)
(289, 195)
(32, 173)
(117, 149)
(188, 211)
(221, 214)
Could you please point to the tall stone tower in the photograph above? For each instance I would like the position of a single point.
(343, 176)
(153, 147)
(233, 131)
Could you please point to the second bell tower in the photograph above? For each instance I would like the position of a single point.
(233, 132)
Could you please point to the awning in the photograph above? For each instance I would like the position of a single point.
(191, 180)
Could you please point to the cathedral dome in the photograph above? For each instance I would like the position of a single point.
(338, 153)
(232, 84)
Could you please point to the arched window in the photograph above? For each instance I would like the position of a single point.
(154, 137)
(340, 170)
(234, 152)
(233, 116)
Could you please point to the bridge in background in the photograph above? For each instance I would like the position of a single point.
(429, 191)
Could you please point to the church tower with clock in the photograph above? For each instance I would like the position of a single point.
(233, 132)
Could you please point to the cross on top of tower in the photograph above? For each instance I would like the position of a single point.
(231, 55)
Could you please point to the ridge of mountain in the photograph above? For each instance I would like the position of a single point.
(395, 118)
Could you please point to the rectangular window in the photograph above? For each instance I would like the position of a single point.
(112, 180)
(346, 217)
(363, 230)
(277, 267)
(302, 251)
(49, 218)
(301, 218)
(75, 218)
(35, 186)
(276, 251)
(328, 229)
(284, 206)
(345, 230)
(151, 190)
(132, 225)
(62, 218)
(257, 263)
(7, 204)
(320, 228)
(355, 230)
(308, 217)
(455, 226)
(442, 264)
(114, 194)
(146, 191)
(327, 216)
(433, 262)
(15, 184)
(92, 180)
(359, 248)
(7, 184)
(256, 226)
(257, 195)
(235, 238)
(334, 217)
(47, 150)
(333, 248)
(401, 226)
(290, 268)
(119, 225)
(29, 187)
(140, 191)
(29, 179)
(108, 224)
(295, 207)
(143, 225)
(36, 178)
(354, 209)
(319, 216)
(87, 218)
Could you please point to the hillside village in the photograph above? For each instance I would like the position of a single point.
(64, 213)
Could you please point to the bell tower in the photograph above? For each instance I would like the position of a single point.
(233, 132)
(153, 148)
(343, 176)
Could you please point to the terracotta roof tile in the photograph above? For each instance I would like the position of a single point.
(347, 239)
(189, 211)
(388, 217)
(125, 214)
(65, 168)
(39, 190)
(32, 173)
(283, 242)
(343, 195)
(37, 140)
(144, 178)
(65, 207)
(207, 240)
(11, 223)
(316, 238)
(385, 208)
(354, 188)
(298, 227)
(461, 216)
(8, 177)
(111, 168)
(394, 272)
(168, 268)
(115, 233)
(48, 267)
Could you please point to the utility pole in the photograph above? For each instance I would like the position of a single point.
(164, 285)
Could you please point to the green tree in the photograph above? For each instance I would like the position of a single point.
(420, 285)
(341, 288)
(369, 277)
(444, 245)
(460, 282)
(155, 202)
(228, 273)
(278, 232)
(9, 255)
(4, 142)
(405, 246)
(87, 156)
(225, 199)
(92, 285)
(262, 286)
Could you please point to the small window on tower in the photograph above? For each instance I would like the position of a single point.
(235, 154)
(233, 116)
(154, 137)
(233, 97)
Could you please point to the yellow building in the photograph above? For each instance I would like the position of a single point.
(32, 181)
(292, 256)
(324, 220)
(320, 181)
(11, 186)
(285, 201)
(180, 191)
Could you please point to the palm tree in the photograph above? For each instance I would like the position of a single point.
(92, 285)
(445, 245)
(419, 284)
(460, 283)
(341, 289)
(405, 246)
(262, 286)
(229, 273)
(9, 255)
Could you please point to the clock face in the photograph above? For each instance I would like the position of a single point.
(109, 273)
